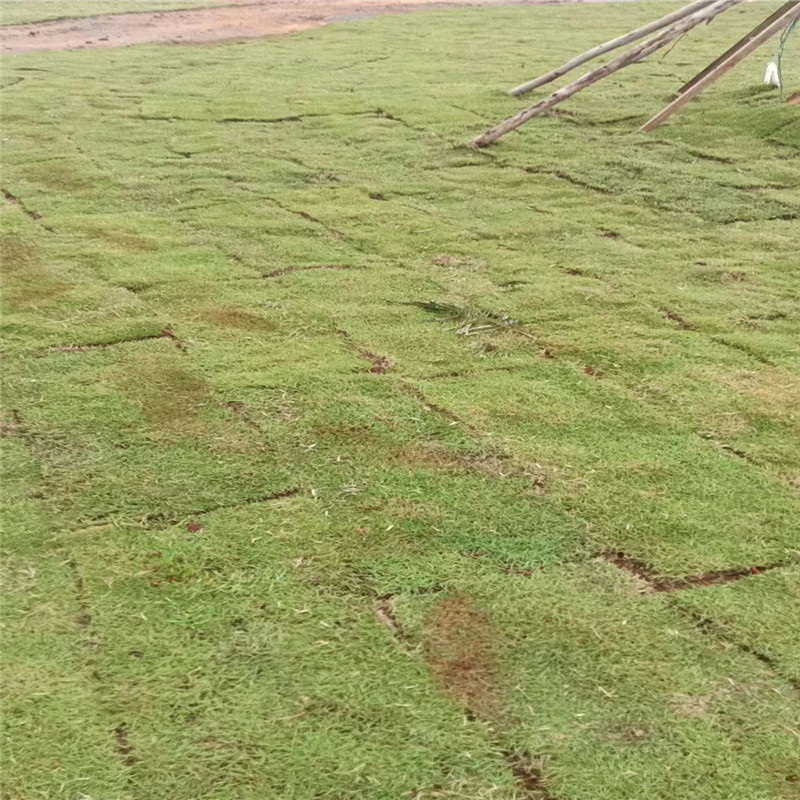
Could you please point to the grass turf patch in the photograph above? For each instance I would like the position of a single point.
(261, 503)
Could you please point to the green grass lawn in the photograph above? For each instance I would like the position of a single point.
(14, 12)
(271, 532)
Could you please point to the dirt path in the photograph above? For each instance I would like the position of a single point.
(266, 18)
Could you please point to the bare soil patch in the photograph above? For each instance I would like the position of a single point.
(205, 25)
(459, 648)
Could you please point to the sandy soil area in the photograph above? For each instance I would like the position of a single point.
(266, 18)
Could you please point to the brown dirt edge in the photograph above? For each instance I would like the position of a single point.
(214, 24)
(528, 776)
(379, 363)
(122, 745)
(159, 519)
(306, 268)
(166, 333)
(656, 583)
(12, 198)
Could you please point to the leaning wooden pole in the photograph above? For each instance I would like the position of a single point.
(630, 57)
(728, 64)
(607, 47)
(735, 48)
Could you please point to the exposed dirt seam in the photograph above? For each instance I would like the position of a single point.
(90, 640)
(240, 410)
(769, 317)
(123, 746)
(361, 62)
(383, 607)
(657, 583)
(307, 268)
(249, 501)
(263, 120)
(305, 215)
(452, 374)
(84, 618)
(710, 627)
(435, 589)
(235, 257)
(17, 428)
(728, 449)
(182, 153)
(149, 520)
(471, 373)
(676, 318)
(372, 112)
(650, 201)
(528, 774)
(789, 216)
(557, 173)
(12, 198)
(525, 572)
(743, 348)
(134, 288)
(36, 447)
(417, 394)
(710, 157)
(784, 124)
(601, 122)
(166, 333)
(379, 363)
(382, 113)
(468, 111)
(258, 120)
(780, 143)
(754, 187)
(669, 314)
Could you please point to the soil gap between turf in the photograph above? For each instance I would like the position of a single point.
(656, 583)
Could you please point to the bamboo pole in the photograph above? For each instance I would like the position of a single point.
(728, 64)
(631, 56)
(714, 64)
(613, 44)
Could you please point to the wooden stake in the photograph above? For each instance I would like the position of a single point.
(768, 21)
(750, 44)
(639, 33)
(631, 56)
